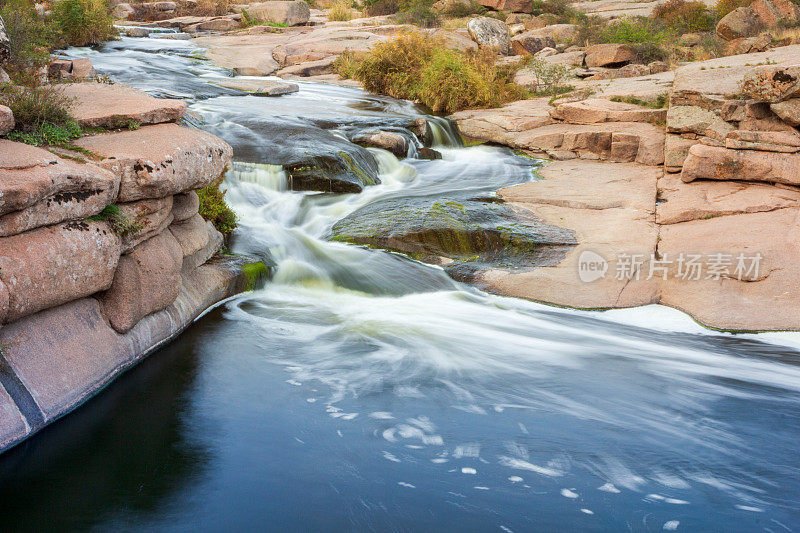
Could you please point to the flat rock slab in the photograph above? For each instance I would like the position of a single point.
(611, 209)
(261, 87)
(726, 302)
(717, 163)
(50, 190)
(13, 425)
(497, 124)
(647, 87)
(246, 55)
(160, 160)
(118, 105)
(701, 200)
(594, 110)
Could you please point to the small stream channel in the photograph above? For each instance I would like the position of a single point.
(362, 390)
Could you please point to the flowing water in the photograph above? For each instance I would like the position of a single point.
(361, 390)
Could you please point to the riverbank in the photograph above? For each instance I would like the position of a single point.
(103, 255)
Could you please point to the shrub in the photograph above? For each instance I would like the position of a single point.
(248, 21)
(549, 78)
(35, 106)
(634, 30)
(83, 22)
(212, 8)
(340, 11)
(417, 12)
(682, 16)
(214, 208)
(589, 30)
(420, 68)
(557, 11)
(377, 8)
(30, 39)
(723, 7)
(460, 9)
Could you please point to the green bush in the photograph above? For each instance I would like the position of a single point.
(30, 39)
(549, 78)
(120, 223)
(461, 10)
(634, 30)
(682, 16)
(340, 10)
(83, 22)
(420, 68)
(557, 11)
(418, 13)
(37, 105)
(214, 209)
(723, 7)
(377, 8)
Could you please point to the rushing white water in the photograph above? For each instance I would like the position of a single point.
(631, 418)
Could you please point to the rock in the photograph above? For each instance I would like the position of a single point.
(324, 43)
(122, 11)
(216, 24)
(160, 160)
(137, 31)
(518, 18)
(6, 120)
(516, 29)
(146, 280)
(76, 69)
(388, 140)
(246, 55)
(444, 7)
(460, 229)
(772, 84)
(119, 105)
(767, 141)
(749, 45)
(199, 241)
(701, 200)
(39, 189)
(788, 111)
(774, 12)
(694, 119)
(561, 33)
(676, 148)
(758, 116)
(289, 12)
(610, 207)
(5, 44)
(657, 67)
(708, 162)
(595, 110)
(490, 33)
(530, 44)
(185, 206)
(568, 59)
(13, 425)
(511, 6)
(4, 77)
(739, 23)
(310, 68)
(149, 217)
(261, 87)
(545, 52)
(728, 303)
(501, 125)
(83, 254)
(609, 55)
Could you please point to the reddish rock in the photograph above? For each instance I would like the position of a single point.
(609, 55)
(773, 84)
(6, 120)
(146, 280)
(595, 110)
(739, 23)
(529, 44)
(788, 111)
(118, 105)
(291, 13)
(150, 217)
(714, 163)
(773, 12)
(199, 241)
(57, 264)
(490, 33)
(185, 206)
(161, 160)
(44, 194)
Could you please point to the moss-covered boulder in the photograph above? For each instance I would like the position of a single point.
(461, 234)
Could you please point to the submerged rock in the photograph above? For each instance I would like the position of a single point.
(456, 232)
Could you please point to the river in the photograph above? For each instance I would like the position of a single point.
(361, 390)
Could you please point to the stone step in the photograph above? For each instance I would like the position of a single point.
(118, 105)
(595, 110)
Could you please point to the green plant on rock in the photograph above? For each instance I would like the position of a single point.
(84, 22)
(549, 78)
(340, 10)
(119, 221)
(215, 209)
(634, 30)
(377, 8)
(30, 39)
(35, 106)
(557, 11)
(683, 16)
(418, 13)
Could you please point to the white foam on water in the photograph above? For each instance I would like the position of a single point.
(515, 479)
(472, 449)
(381, 415)
(587, 511)
(568, 493)
(480, 487)
(391, 457)
(407, 485)
(609, 487)
(749, 508)
(468, 470)
(671, 525)
(520, 464)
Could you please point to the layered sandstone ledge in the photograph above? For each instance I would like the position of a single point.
(103, 255)
(715, 173)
